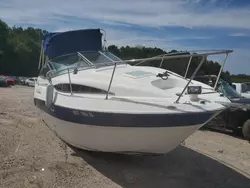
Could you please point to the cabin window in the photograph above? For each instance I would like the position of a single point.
(76, 88)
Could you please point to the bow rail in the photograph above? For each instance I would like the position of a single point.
(191, 54)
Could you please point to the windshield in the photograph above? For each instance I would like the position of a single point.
(228, 90)
(82, 59)
(111, 56)
(67, 61)
(98, 57)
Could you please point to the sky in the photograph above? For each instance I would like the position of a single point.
(166, 24)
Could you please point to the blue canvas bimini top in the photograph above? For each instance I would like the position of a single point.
(61, 43)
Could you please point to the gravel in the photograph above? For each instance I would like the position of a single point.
(32, 156)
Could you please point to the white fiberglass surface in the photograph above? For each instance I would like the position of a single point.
(125, 104)
(138, 74)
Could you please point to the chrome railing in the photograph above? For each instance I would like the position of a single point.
(141, 60)
(190, 59)
(221, 68)
(110, 82)
(192, 77)
(70, 85)
(209, 52)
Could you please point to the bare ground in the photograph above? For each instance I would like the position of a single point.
(32, 156)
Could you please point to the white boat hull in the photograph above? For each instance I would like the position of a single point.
(157, 140)
(120, 139)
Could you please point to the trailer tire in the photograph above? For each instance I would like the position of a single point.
(246, 130)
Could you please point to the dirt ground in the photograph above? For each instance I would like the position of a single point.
(32, 156)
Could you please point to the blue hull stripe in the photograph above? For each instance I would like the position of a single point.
(125, 120)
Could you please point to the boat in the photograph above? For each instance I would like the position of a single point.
(98, 102)
(236, 117)
(243, 89)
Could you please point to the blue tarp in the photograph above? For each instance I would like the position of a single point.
(61, 43)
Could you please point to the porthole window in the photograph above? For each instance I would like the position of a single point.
(76, 88)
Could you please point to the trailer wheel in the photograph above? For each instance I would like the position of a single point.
(246, 130)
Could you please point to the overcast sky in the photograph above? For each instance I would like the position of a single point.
(167, 24)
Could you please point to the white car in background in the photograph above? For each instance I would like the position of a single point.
(31, 81)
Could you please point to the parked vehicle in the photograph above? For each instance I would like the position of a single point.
(242, 88)
(31, 81)
(9, 80)
(21, 80)
(237, 116)
(248, 86)
(3, 82)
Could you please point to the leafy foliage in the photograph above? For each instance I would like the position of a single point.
(20, 50)
(240, 78)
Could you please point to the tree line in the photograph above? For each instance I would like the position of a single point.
(20, 51)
